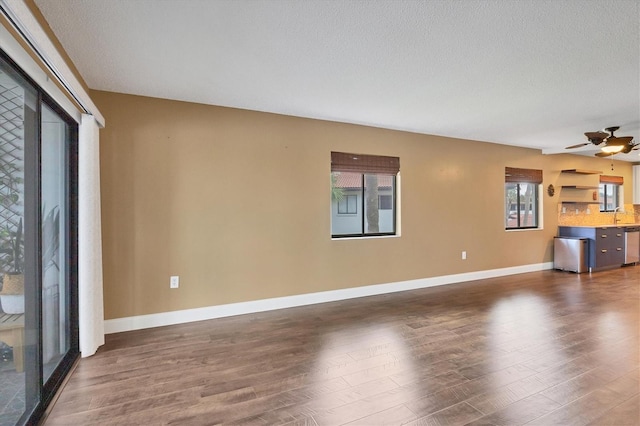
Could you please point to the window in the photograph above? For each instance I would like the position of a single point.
(609, 197)
(385, 202)
(348, 204)
(610, 193)
(522, 188)
(363, 195)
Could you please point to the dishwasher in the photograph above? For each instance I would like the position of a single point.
(631, 244)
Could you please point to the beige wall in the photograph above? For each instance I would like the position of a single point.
(238, 204)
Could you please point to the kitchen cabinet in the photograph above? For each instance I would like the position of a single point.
(636, 184)
(606, 244)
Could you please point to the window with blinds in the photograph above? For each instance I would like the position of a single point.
(610, 190)
(363, 195)
(522, 190)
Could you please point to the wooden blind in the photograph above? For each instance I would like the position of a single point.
(512, 174)
(618, 180)
(360, 163)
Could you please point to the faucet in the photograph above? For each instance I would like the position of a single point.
(615, 215)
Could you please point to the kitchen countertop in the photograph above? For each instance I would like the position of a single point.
(610, 225)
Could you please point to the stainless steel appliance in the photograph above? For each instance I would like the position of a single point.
(570, 254)
(631, 244)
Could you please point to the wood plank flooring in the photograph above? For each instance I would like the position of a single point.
(543, 348)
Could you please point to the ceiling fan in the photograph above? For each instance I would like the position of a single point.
(612, 144)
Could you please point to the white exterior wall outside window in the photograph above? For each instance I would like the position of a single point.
(345, 223)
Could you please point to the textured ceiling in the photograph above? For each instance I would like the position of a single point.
(529, 73)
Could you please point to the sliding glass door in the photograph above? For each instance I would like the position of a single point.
(55, 297)
(38, 302)
(18, 130)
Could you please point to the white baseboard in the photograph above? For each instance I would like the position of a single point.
(210, 312)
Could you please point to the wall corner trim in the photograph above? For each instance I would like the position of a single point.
(139, 322)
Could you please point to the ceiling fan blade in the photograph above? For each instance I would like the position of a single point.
(621, 140)
(596, 135)
(605, 154)
(578, 146)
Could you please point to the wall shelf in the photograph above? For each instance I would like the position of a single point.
(578, 202)
(579, 187)
(582, 171)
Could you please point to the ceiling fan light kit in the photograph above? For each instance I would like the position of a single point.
(609, 149)
(612, 144)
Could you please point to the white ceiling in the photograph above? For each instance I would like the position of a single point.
(533, 73)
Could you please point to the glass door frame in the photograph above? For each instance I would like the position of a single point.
(55, 381)
(39, 394)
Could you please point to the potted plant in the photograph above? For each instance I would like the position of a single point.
(12, 267)
(11, 227)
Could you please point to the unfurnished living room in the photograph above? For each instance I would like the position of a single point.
(320, 212)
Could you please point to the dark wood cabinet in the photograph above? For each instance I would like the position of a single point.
(609, 247)
(606, 244)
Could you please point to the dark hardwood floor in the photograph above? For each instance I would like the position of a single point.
(543, 348)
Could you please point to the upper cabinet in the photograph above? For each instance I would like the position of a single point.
(636, 184)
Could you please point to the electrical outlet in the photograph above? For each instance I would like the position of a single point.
(564, 210)
(464, 255)
(174, 282)
(588, 211)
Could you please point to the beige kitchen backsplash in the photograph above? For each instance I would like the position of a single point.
(582, 214)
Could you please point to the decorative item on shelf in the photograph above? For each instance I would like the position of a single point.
(551, 190)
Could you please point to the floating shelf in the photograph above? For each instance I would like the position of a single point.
(578, 202)
(579, 187)
(582, 171)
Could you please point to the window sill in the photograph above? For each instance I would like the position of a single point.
(523, 229)
(372, 237)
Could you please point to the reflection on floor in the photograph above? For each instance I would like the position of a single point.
(543, 348)
(11, 393)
